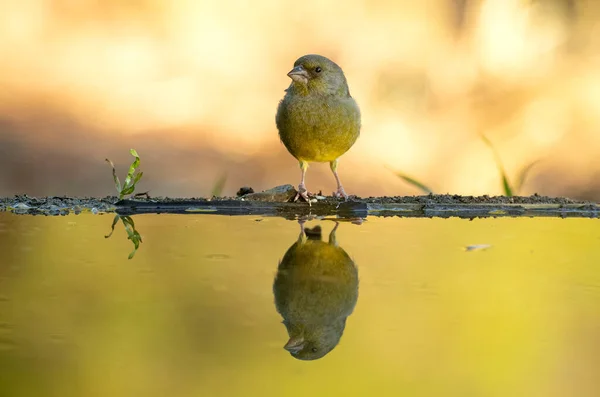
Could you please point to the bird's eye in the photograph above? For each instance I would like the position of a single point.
(314, 350)
(318, 69)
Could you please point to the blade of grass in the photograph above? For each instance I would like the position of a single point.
(132, 167)
(219, 185)
(137, 178)
(506, 185)
(131, 179)
(115, 177)
(523, 175)
(128, 189)
(132, 234)
(112, 227)
(508, 191)
(414, 182)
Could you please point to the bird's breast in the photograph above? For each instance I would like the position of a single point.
(318, 128)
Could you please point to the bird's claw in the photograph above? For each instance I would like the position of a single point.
(302, 192)
(304, 195)
(340, 193)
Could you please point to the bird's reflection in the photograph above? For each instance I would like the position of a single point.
(316, 289)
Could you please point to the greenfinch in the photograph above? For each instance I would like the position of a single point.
(315, 289)
(317, 119)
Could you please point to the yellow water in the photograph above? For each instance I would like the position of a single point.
(193, 313)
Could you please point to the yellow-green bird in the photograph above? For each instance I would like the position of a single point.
(318, 120)
(316, 289)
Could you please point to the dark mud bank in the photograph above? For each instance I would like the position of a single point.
(275, 202)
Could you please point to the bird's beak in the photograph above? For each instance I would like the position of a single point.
(294, 345)
(299, 74)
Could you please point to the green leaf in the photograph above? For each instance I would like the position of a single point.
(132, 234)
(127, 190)
(506, 185)
(219, 185)
(128, 222)
(132, 167)
(137, 178)
(115, 177)
(508, 191)
(132, 177)
(112, 227)
(523, 174)
(136, 244)
(414, 182)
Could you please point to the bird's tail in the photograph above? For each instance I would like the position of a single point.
(313, 233)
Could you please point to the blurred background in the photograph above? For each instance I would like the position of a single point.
(194, 85)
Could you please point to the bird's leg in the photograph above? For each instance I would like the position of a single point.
(302, 237)
(340, 189)
(332, 237)
(302, 192)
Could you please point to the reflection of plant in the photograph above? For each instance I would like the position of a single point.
(131, 179)
(509, 190)
(132, 233)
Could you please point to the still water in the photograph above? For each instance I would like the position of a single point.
(394, 306)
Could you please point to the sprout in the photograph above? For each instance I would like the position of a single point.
(132, 177)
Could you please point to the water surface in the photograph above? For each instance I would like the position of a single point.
(193, 312)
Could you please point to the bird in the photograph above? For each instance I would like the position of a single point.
(317, 118)
(315, 290)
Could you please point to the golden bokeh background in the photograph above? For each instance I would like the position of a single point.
(193, 86)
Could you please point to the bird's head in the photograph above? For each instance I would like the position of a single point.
(315, 341)
(317, 74)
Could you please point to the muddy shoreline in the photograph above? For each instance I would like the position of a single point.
(275, 202)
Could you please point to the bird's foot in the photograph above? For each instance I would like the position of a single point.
(340, 193)
(302, 192)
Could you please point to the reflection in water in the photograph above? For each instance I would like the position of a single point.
(132, 233)
(316, 289)
(193, 315)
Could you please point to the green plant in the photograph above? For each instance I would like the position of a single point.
(132, 233)
(219, 185)
(412, 181)
(509, 190)
(132, 177)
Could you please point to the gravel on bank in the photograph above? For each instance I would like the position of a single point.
(280, 197)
